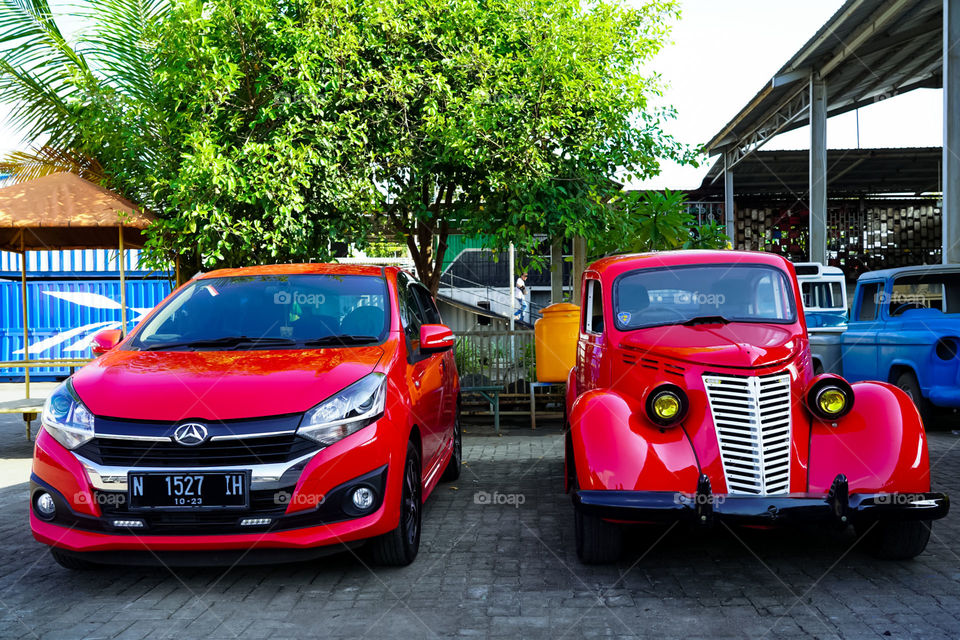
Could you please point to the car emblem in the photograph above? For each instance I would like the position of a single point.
(190, 434)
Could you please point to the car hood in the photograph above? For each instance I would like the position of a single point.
(218, 385)
(738, 344)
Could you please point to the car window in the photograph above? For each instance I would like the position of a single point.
(409, 310)
(674, 295)
(428, 308)
(869, 301)
(593, 317)
(283, 308)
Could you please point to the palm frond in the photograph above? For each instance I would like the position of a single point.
(39, 70)
(36, 163)
(120, 45)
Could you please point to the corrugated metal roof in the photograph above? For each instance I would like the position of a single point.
(849, 171)
(868, 51)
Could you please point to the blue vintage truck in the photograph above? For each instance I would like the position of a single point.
(903, 328)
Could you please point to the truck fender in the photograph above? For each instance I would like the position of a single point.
(613, 446)
(880, 446)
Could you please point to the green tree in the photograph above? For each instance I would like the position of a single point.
(656, 221)
(261, 130)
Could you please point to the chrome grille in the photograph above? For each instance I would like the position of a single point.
(752, 417)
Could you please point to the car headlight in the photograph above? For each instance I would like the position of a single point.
(830, 397)
(667, 405)
(346, 412)
(66, 418)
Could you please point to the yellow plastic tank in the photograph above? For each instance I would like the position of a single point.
(556, 336)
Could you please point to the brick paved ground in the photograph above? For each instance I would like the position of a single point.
(504, 571)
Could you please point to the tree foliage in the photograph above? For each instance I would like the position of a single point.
(263, 130)
(657, 221)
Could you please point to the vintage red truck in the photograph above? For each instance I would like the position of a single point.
(694, 399)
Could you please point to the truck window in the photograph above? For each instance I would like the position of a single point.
(593, 318)
(822, 295)
(938, 291)
(869, 301)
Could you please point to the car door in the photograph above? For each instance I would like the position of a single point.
(424, 375)
(448, 367)
(859, 341)
(591, 345)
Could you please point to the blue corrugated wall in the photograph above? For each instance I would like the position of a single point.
(64, 314)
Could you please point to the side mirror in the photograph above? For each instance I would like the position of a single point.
(105, 341)
(435, 338)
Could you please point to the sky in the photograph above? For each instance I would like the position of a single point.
(723, 53)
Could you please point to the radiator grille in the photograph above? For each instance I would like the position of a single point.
(752, 417)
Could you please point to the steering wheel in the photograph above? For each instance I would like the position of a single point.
(907, 306)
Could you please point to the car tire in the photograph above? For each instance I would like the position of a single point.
(908, 383)
(399, 547)
(897, 540)
(70, 561)
(598, 541)
(452, 472)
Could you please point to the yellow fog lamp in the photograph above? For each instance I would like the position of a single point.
(830, 397)
(667, 405)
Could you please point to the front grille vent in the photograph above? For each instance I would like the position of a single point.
(752, 416)
(116, 452)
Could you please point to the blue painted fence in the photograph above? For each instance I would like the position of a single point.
(64, 315)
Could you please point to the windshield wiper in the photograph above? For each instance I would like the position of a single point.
(342, 339)
(705, 320)
(227, 341)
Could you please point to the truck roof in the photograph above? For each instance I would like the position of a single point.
(885, 274)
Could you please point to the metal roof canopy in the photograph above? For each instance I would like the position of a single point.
(868, 51)
(850, 172)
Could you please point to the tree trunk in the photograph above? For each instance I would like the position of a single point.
(427, 261)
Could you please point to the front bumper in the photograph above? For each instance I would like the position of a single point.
(704, 507)
(302, 504)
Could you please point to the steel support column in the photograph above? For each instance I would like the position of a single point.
(951, 131)
(817, 243)
(728, 198)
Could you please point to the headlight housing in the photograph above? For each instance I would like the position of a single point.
(830, 397)
(667, 405)
(360, 404)
(66, 418)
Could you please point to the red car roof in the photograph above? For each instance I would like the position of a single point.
(290, 269)
(626, 262)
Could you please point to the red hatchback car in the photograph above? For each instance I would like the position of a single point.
(693, 399)
(257, 413)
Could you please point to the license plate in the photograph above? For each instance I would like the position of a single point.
(162, 490)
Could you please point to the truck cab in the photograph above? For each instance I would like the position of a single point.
(904, 329)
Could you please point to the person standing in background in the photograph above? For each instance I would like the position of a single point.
(520, 292)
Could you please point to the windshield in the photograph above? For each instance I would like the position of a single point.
(715, 293)
(270, 312)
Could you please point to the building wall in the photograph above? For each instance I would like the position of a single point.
(861, 235)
